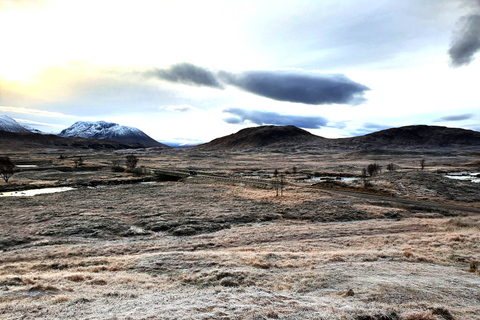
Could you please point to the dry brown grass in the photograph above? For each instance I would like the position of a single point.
(307, 255)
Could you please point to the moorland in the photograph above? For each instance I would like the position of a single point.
(123, 245)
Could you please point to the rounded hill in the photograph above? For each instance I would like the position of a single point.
(260, 137)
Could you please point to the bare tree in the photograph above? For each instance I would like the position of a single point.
(364, 172)
(373, 169)
(78, 162)
(6, 168)
(391, 167)
(131, 162)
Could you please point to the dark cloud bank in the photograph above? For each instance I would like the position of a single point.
(466, 40)
(241, 116)
(296, 86)
(189, 74)
(292, 86)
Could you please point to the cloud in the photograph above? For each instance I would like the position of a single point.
(38, 124)
(293, 86)
(241, 116)
(179, 108)
(458, 117)
(376, 126)
(368, 127)
(466, 40)
(187, 73)
(35, 112)
(299, 86)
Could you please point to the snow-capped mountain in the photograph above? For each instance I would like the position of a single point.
(109, 131)
(10, 125)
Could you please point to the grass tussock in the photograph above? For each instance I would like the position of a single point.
(75, 278)
(474, 266)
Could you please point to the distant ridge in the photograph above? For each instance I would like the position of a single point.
(111, 132)
(420, 136)
(260, 137)
(288, 137)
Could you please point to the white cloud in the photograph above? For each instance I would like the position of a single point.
(35, 112)
(179, 108)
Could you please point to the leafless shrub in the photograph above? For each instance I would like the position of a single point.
(78, 162)
(6, 168)
(349, 293)
(391, 167)
(131, 162)
(474, 266)
(373, 169)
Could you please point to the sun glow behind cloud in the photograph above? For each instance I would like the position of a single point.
(145, 33)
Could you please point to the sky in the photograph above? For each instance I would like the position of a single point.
(191, 71)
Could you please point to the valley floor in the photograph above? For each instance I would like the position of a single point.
(173, 250)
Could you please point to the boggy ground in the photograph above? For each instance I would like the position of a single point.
(172, 250)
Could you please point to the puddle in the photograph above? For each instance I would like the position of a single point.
(343, 179)
(26, 166)
(33, 192)
(465, 175)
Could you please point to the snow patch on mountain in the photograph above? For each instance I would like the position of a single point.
(10, 125)
(108, 131)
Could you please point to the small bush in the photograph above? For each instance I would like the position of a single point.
(118, 169)
(139, 172)
(407, 253)
(391, 167)
(373, 169)
(229, 282)
(474, 266)
(78, 162)
(98, 282)
(131, 162)
(6, 168)
(443, 312)
(75, 278)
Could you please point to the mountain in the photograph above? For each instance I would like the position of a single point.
(30, 140)
(291, 138)
(10, 125)
(418, 136)
(261, 137)
(102, 130)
